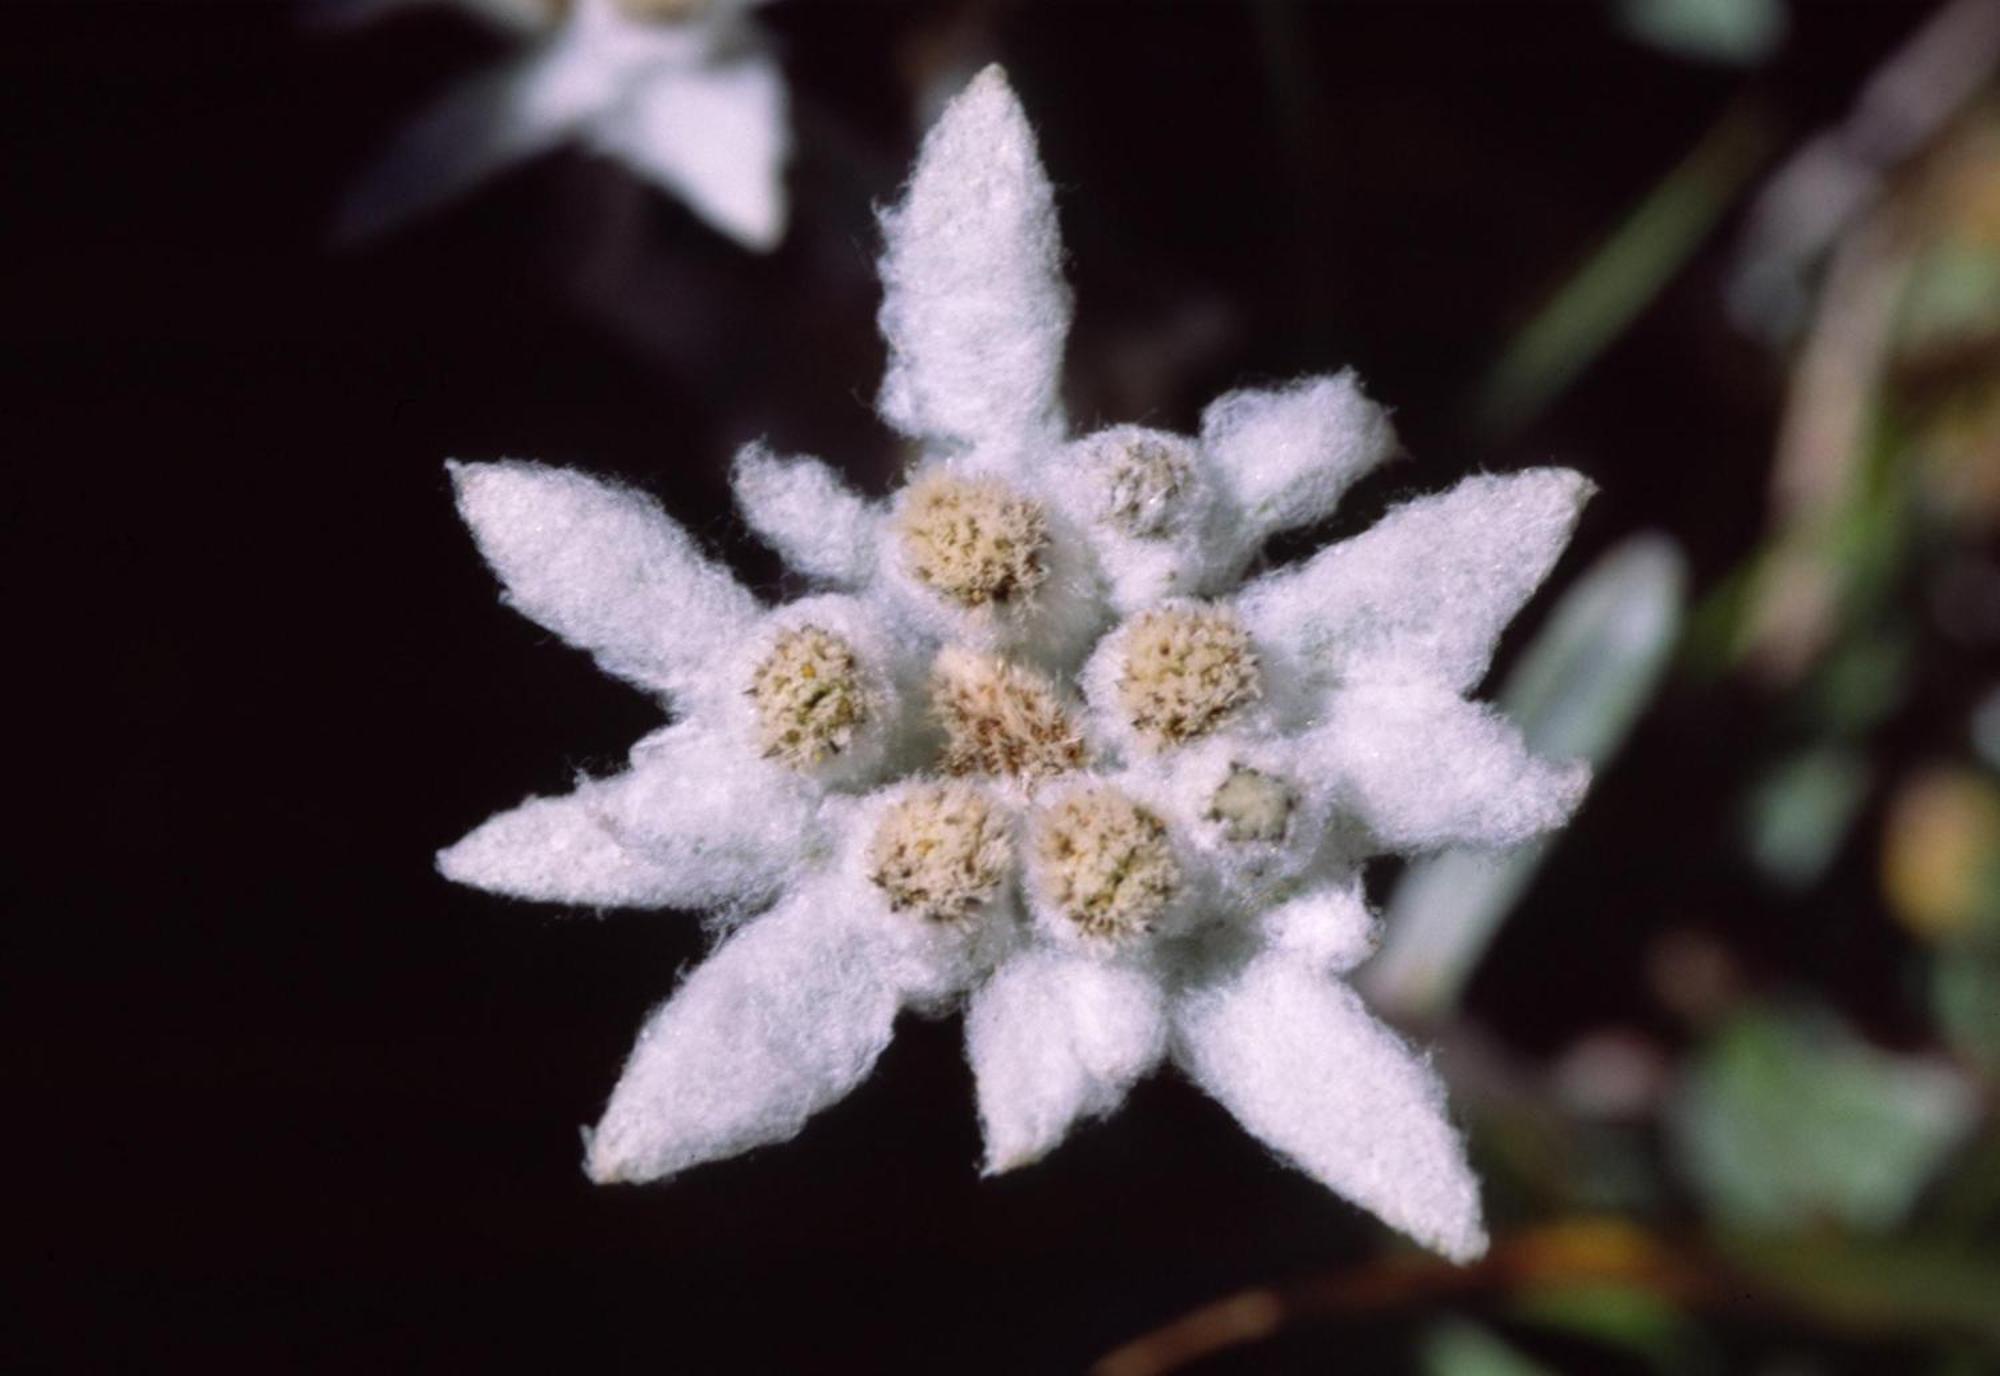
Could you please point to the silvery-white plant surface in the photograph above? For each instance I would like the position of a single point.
(683, 94)
(1035, 749)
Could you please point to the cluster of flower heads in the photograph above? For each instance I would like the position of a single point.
(1037, 751)
(683, 93)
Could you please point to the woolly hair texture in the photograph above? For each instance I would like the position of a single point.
(1031, 751)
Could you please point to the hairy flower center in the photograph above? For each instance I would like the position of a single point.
(809, 696)
(974, 540)
(1252, 806)
(1186, 670)
(940, 853)
(1144, 487)
(1000, 718)
(1105, 863)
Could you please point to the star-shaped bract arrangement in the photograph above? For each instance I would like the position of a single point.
(683, 93)
(1036, 751)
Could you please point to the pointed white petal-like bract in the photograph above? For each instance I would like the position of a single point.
(802, 509)
(786, 1018)
(1301, 1064)
(562, 850)
(974, 305)
(1328, 927)
(1425, 593)
(734, 832)
(1055, 1038)
(716, 136)
(604, 568)
(646, 839)
(1286, 456)
(1422, 769)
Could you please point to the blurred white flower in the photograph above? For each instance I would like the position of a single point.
(1038, 752)
(681, 92)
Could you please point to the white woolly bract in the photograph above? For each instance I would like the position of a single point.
(647, 838)
(563, 850)
(802, 510)
(714, 135)
(974, 305)
(1422, 769)
(1328, 927)
(784, 1019)
(694, 106)
(1053, 1039)
(1285, 457)
(1301, 1064)
(604, 568)
(1426, 591)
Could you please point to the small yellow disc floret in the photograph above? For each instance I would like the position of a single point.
(1105, 863)
(973, 541)
(1186, 670)
(1252, 806)
(941, 853)
(1144, 487)
(1001, 719)
(809, 696)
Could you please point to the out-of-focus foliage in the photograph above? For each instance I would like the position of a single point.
(1738, 32)
(1789, 1153)
(1464, 1349)
(1575, 694)
(1785, 1119)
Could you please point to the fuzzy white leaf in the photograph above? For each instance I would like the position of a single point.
(1422, 769)
(802, 509)
(787, 1017)
(1301, 1064)
(974, 307)
(686, 827)
(716, 136)
(1287, 456)
(1328, 927)
(1052, 1039)
(1425, 593)
(562, 850)
(604, 568)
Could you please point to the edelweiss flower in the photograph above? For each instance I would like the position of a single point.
(1036, 753)
(682, 92)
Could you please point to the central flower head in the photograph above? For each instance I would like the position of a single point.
(974, 541)
(809, 696)
(1002, 719)
(1105, 864)
(1186, 671)
(941, 853)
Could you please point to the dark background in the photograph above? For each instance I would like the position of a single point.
(285, 1099)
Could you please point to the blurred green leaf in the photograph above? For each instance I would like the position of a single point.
(1620, 1316)
(1861, 682)
(1740, 32)
(1618, 279)
(1986, 728)
(1463, 1349)
(1798, 814)
(1965, 996)
(1786, 1119)
(1953, 292)
(1576, 693)
(1878, 1288)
